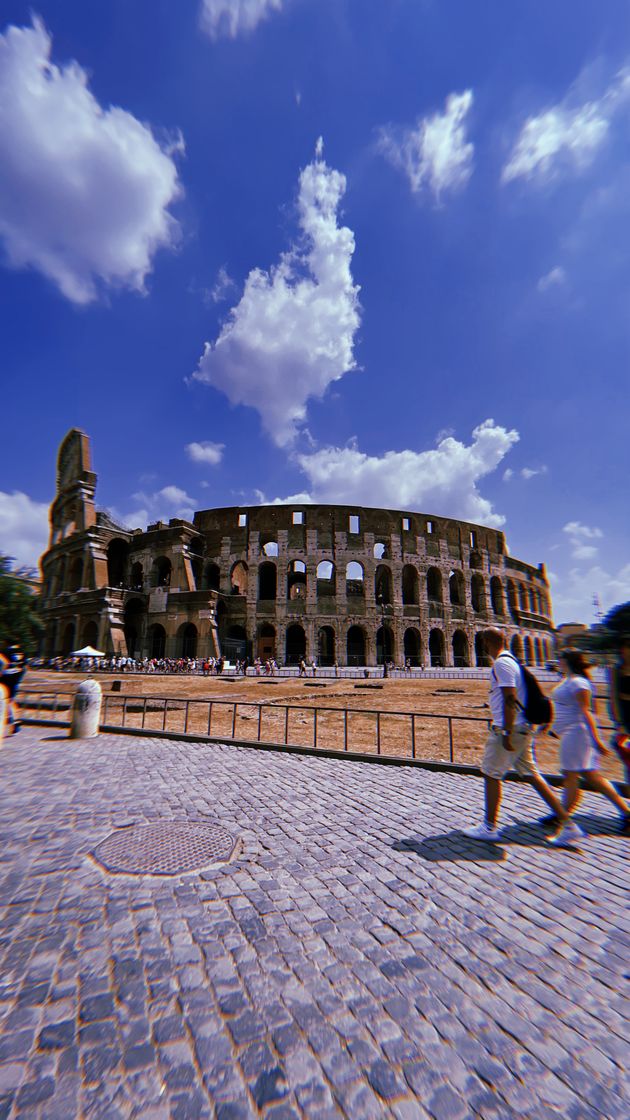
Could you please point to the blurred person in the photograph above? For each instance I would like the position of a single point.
(11, 674)
(619, 691)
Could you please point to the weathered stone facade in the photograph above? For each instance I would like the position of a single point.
(344, 584)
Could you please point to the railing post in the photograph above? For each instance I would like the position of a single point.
(209, 716)
(164, 715)
(186, 717)
(450, 738)
(345, 729)
(124, 719)
(413, 735)
(286, 725)
(259, 720)
(234, 720)
(314, 728)
(378, 732)
(144, 712)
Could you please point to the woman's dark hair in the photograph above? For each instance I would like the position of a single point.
(577, 662)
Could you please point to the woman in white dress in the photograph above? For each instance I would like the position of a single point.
(580, 741)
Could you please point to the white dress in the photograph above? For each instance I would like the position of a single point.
(577, 749)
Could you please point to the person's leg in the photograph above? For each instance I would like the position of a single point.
(549, 797)
(493, 792)
(601, 784)
(572, 791)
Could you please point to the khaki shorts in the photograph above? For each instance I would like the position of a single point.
(497, 761)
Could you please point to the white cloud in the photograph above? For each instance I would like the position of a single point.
(235, 17)
(84, 190)
(161, 505)
(223, 285)
(292, 332)
(525, 473)
(581, 538)
(573, 594)
(205, 452)
(443, 480)
(565, 137)
(24, 528)
(556, 278)
(435, 154)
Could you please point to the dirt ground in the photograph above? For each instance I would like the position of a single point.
(391, 717)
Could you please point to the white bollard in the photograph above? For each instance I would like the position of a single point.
(86, 710)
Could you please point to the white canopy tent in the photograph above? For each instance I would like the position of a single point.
(87, 651)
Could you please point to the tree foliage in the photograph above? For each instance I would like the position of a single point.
(19, 608)
(608, 635)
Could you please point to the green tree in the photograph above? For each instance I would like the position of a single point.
(19, 608)
(606, 637)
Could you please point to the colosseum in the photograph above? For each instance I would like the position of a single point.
(346, 585)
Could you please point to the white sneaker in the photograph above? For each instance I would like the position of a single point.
(570, 834)
(482, 832)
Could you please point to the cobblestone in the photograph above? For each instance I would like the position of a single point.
(358, 958)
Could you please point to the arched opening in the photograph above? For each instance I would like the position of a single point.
(522, 597)
(539, 652)
(67, 644)
(478, 594)
(456, 588)
(355, 646)
(89, 637)
(267, 579)
(234, 645)
(187, 640)
(326, 580)
(239, 579)
(266, 642)
(61, 577)
(529, 651)
(496, 596)
(269, 547)
(383, 584)
(295, 644)
(461, 651)
(76, 573)
(533, 602)
(513, 599)
(134, 616)
(412, 646)
(380, 550)
(161, 572)
(516, 646)
(434, 585)
(410, 586)
(117, 556)
(157, 641)
(296, 580)
(196, 563)
(436, 649)
(384, 645)
(481, 656)
(326, 646)
(355, 581)
(212, 577)
(137, 576)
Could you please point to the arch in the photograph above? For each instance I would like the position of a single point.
(296, 579)
(481, 657)
(461, 650)
(266, 644)
(436, 648)
(234, 644)
(457, 588)
(67, 644)
(434, 585)
(383, 584)
(412, 646)
(239, 577)
(513, 599)
(212, 577)
(384, 645)
(137, 576)
(196, 564)
(522, 597)
(161, 570)
(380, 551)
(89, 637)
(529, 651)
(326, 579)
(478, 594)
(355, 645)
(355, 578)
(75, 575)
(269, 547)
(539, 652)
(326, 646)
(267, 580)
(187, 636)
(117, 557)
(496, 596)
(516, 646)
(133, 625)
(295, 644)
(157, 641)
(410, 585)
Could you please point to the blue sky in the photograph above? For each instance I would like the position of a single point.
(368, 251)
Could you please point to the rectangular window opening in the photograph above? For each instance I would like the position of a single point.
(473, 539)
(405, 524)
(298, 517)
(242, 520)
(429, 527)
(354, 523)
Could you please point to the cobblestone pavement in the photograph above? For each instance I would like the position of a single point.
(358, 958)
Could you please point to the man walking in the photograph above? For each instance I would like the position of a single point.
(509, 744)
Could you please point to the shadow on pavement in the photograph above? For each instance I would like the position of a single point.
(54, 738)
(453, 846)
(598, 826)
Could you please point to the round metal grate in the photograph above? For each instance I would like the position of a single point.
(164, 848)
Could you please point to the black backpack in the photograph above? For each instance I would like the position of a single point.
(537, 709)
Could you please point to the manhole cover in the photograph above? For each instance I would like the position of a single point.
(164, 848)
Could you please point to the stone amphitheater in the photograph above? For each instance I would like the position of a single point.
(345, 585)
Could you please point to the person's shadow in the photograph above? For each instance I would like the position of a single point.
(451, 847)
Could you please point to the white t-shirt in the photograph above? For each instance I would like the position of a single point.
(506, 673)
(567, 709)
